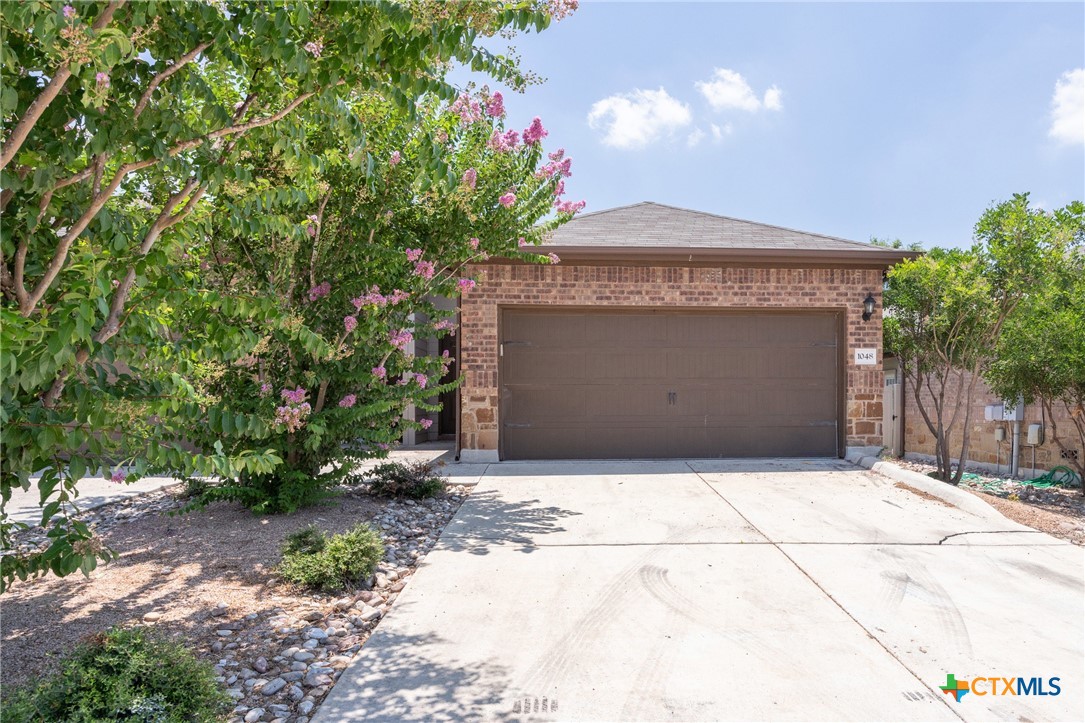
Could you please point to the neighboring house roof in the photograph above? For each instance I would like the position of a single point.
(649, 231)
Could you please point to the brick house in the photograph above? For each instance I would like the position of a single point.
(665, 332)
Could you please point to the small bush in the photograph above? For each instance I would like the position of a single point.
(307, 541)
(414, 481)
(312, 559)
(124, 675)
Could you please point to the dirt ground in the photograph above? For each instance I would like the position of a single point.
(1066, 523)
(180, 566)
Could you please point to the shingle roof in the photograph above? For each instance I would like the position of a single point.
(655, 225)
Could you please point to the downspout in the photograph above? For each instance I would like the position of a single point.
(1016, 441)
(459, 368)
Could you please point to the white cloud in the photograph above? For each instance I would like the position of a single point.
(633, 120)
(718, 133)
(728, 89)
(772, 98)
(695, 137)
(1068, 108)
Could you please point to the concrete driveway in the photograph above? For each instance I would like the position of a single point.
(709, 590)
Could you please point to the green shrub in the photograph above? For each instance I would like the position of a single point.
(124, 675)
(312, 559)
(283, 492)
(414, 481)
(307, 540)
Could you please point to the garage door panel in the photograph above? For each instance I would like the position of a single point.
(606, 365)
(711, 363)
(649, 329)
(611, 384)
(533, 364)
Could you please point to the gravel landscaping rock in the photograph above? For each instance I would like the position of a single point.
(277, 649)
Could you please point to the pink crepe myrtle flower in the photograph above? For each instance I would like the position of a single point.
(69, 12)
(413, 254)
(561, 9)
(554, 258)
(470, 177)
(507, 200)
(350, 323)
(425, 423)
(348, 401)
(556, 155)
(422, 380)
(425, 269)
(534, 132)
(314, 48)
(294, 396)
(383, 446)
(372, 298)
(398, 297)
(102, 79)
(466, 284)
(561, 169)
(395, 158)
(559, 189)
(444, 324)
(522, 242)
(292, 416)
(504, 142)
(474, 243)
(400, 339)
(320, 291)
(496, 107)
(265, 389)
(570, 207)
(117, 477)
(380, 372)
(467, 108)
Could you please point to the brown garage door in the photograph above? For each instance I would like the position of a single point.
(651, 384)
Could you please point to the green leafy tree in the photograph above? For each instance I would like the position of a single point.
(896, 244)
(1040, 354)
(354, 255)
(946, 311)
(122, 121)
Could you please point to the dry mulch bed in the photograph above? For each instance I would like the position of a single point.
(208, 577)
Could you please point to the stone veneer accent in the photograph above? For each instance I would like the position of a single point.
(982, 446)
(502, 285)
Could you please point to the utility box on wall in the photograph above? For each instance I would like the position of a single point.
(1004, 412)
(1035, 434)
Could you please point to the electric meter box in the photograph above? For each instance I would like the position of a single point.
(993, 413)
(1013, 412)
(1035, 434)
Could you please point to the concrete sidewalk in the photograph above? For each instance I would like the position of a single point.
(739, 590)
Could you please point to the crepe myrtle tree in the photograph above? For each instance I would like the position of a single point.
(947, 310)
(122, 120)
(353, 260)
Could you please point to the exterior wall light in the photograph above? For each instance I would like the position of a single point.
(868, 306)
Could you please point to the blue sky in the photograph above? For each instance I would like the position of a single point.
(893, 120)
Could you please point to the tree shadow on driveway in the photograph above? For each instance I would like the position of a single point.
(411, 677)
(485, 520)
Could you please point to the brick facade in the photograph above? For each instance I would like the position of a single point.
(983, 447)
(502, 285)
